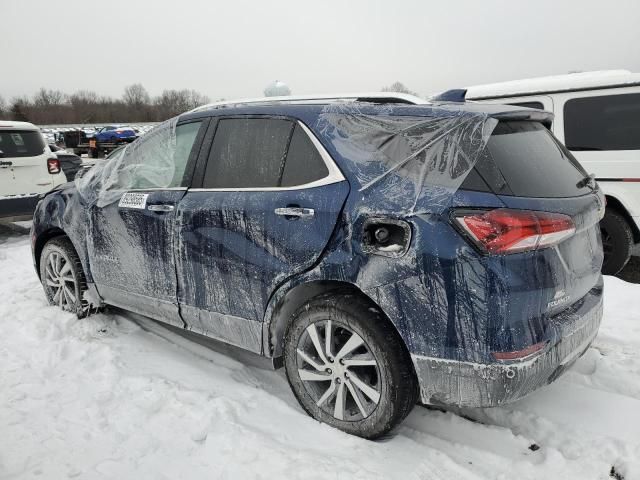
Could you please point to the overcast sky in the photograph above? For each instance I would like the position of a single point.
(235, 48)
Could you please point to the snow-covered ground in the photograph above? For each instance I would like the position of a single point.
(113, 397)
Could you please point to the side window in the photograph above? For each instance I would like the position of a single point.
(248, 153)
(156, 162)
(185, 138)
(304, 163)
(607, 122)
(537, 105)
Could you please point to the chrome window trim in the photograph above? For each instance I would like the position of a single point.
(334, 175)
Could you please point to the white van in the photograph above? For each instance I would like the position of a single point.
(597, 116)
(27, 169)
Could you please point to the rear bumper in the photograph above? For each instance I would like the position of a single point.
(19, 206)
(466, 384)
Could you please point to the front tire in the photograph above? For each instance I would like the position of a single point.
(348, 367)
(62, 277)
(617, 242)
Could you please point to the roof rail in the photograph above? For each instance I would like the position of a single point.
(375, 97)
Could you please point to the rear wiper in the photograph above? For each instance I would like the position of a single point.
(585, 149)
(588, 181)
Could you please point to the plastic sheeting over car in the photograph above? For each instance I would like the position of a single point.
(146, 163)
(416, 163)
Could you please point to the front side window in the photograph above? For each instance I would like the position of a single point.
(161, 165)
(607, 122)
(262, 153)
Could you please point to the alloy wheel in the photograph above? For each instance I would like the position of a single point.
(60, 281)
(338, 370)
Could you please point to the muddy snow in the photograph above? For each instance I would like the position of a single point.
(118, 397)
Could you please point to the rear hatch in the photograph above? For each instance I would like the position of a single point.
(558, 261)
(23, 163)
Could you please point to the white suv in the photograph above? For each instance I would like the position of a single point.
(597, 116)
(27, 169)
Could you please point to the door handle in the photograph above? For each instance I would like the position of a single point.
(295, 212)
(160, 208)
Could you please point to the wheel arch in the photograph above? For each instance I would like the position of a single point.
(281, 309)
(42, 240)
(615, 204)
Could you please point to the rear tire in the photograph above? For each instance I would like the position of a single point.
(617, 242)
(365, 391)
(62, 277)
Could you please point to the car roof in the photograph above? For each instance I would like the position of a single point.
(554, 84)
(11, 125)
(305, 111)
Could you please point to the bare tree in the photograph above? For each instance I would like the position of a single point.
(85, 106)
(174, 102)
(399, 88)
(197, 99)
(136, 96)
(49, 98)
(3, 107)
(19, 109)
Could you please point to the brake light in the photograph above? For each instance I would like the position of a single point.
(504, 231)
(53, 165)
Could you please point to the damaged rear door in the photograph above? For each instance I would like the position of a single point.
(263, 209)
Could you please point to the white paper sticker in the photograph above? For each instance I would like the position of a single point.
(133, 200)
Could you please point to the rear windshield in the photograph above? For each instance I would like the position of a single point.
(524, 159)
(27, 143)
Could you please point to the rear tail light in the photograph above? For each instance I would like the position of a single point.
(504, 231)
(519, 354)
(53, 165)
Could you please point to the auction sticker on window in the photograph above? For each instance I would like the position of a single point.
(133, 200)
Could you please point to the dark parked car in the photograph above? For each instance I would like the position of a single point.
(383, 252)
(69, 162)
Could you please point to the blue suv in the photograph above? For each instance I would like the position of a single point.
(383, 252)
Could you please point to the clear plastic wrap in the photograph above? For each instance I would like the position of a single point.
(146, 163)
(416, 163)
